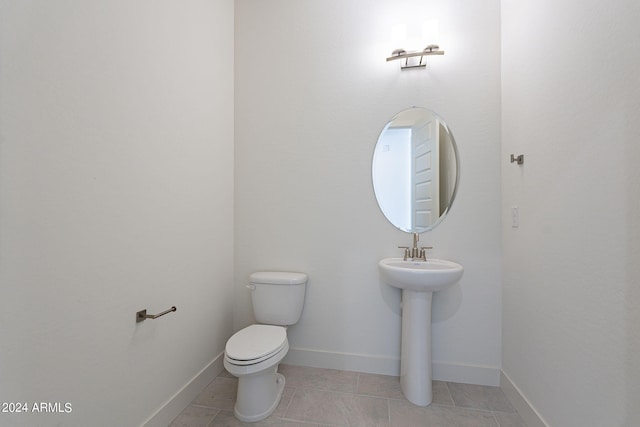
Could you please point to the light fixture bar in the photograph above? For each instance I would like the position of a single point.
(403, 54)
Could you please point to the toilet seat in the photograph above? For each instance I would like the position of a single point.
(255, 344)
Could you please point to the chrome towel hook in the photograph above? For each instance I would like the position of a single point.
(142, 314)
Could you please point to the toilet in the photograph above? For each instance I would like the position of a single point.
(253, 353)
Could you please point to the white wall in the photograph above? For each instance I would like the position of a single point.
(116, 194)
(313, 91)
(571, 91)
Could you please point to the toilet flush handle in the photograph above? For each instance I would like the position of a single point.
(250, 287)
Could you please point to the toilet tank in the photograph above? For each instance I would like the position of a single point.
(277, 296)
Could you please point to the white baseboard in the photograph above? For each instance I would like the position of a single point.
(466, 374)
(181, 399)
(527, 412)
(343, 361)
(442, 371)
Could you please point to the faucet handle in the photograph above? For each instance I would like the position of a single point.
(407, 254)
(423, 252)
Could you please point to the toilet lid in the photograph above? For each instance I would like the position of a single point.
(256, 342)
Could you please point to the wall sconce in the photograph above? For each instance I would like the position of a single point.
(430, 34)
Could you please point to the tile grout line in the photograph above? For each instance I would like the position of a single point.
(446, 384)
(197, 405)
(496, 419)
(295, 390)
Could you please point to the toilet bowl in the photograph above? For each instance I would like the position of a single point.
(253, 353)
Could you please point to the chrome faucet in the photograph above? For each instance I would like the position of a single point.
(414, 253)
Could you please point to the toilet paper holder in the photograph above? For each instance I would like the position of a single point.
(142, 314)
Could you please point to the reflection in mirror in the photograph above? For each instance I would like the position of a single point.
(415, 170)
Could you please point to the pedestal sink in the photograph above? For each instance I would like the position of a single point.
(418, 280)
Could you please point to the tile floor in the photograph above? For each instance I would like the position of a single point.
(328, 397)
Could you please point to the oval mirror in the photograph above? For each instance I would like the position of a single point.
(415, 170)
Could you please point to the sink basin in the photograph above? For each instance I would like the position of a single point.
(426, 276)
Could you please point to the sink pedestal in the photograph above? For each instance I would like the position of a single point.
(415, 352)
(418, 281)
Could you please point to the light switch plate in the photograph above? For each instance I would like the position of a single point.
(515, 217)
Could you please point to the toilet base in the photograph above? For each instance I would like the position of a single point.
(258, 395)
